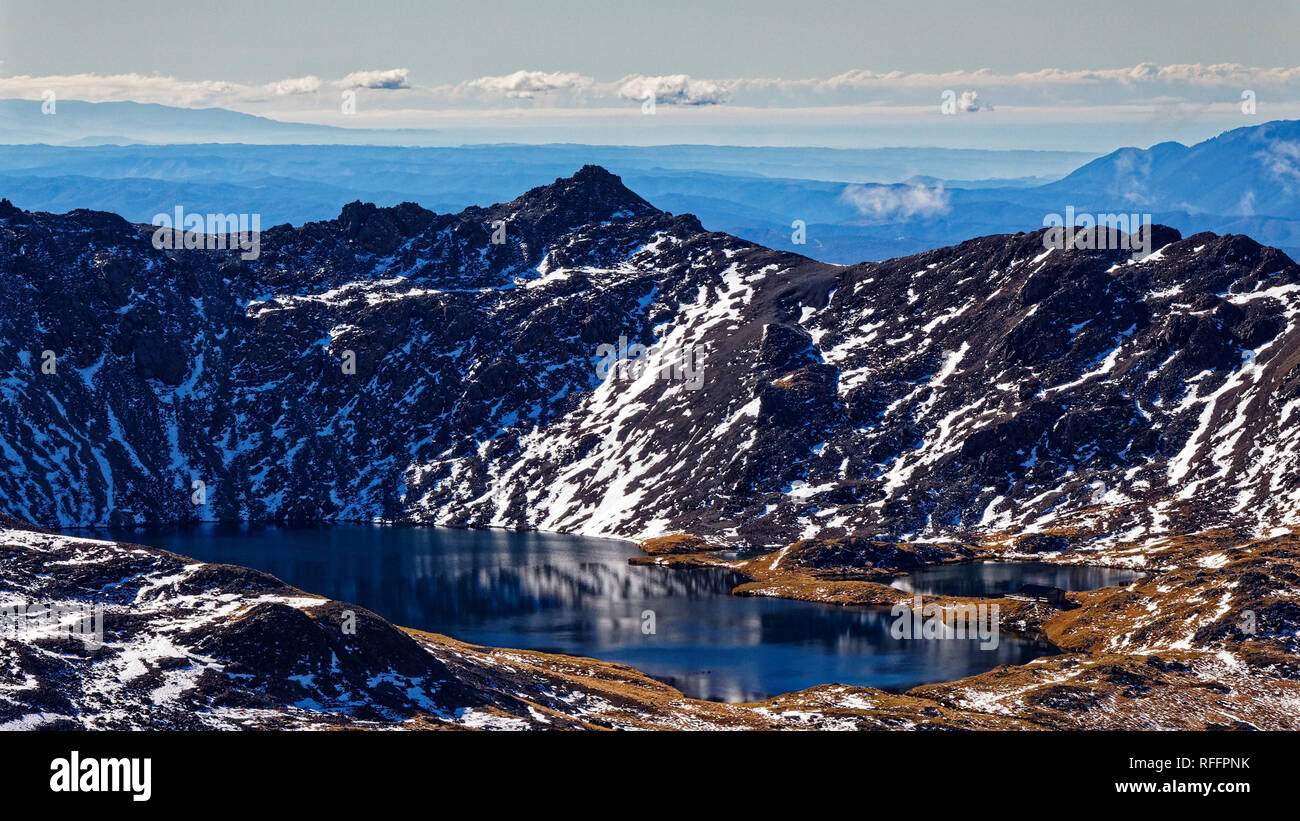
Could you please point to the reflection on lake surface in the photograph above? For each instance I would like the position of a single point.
(579, 596)
(996, 579)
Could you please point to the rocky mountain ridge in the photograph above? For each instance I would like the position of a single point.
(993, 386)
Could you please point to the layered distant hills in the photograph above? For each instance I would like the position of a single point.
(1243, 181)
(854, 205)
(76, 122)
(756, 193)
(1246, 172)
(991, 385)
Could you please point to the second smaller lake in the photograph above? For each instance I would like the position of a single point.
(997, 579)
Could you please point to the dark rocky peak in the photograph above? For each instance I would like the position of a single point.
(382, 230)
(592, 195)
(587, 219)
(590, 218)
(98, 218)
(104, 225)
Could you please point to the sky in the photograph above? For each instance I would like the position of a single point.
(826, 72)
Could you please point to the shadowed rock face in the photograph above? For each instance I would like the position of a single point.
(177, 638)
(187, 645)
(987, 386)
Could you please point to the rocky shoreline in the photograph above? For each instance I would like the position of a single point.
(1206, 639)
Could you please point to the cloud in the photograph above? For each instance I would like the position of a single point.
(969, 101)
(1176, 83)
(1132, 175)
(526, 84)
(1219, 74)
(673, 89)
(1246, 205)
(1282, 159)
(1145, 85)
(295, 85)
(393, 78)
(133, 87)
(168, 90)
(897, 202)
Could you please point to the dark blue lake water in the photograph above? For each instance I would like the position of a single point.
(1001, 578)
(579, 596)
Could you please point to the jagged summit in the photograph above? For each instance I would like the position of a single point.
(590, 218)
(408, 217)
(591, 195)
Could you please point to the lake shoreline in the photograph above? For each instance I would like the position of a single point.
(577, 596)
(1119, 670)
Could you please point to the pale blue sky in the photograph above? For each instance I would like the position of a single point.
(445, 42)
(1088, 76)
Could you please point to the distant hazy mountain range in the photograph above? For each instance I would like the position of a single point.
(1245, 181)
(75, 122)
(756, 193)
(853, 205)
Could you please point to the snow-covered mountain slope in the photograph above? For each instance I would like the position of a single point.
(987, 386)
